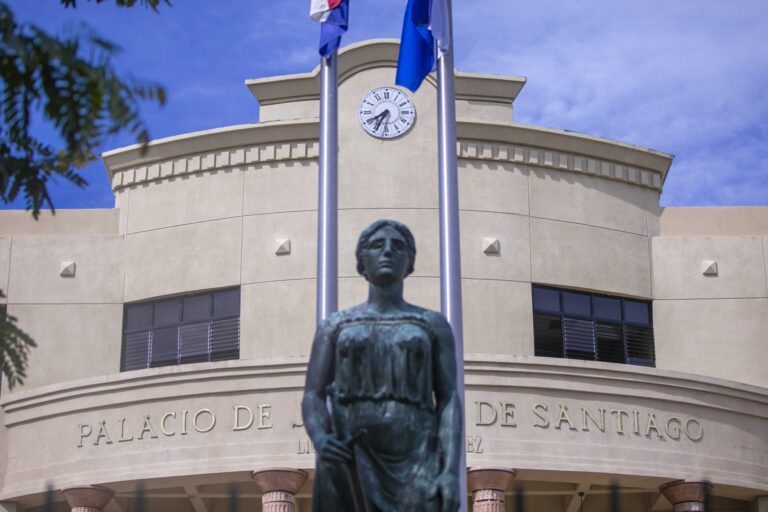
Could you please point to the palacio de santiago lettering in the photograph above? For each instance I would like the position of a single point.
(503, 414)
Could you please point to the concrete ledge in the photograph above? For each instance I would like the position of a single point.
(715, 221)
(62, 223)
(288, 374)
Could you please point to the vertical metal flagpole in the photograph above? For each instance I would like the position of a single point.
(327, 218)
(450, 260)
(327, 202)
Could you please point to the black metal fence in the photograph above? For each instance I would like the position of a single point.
(139, 502)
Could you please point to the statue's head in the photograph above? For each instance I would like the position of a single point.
(370, 231)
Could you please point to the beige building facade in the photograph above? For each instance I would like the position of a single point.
(545, 213)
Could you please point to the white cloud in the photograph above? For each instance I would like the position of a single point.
(683, 77)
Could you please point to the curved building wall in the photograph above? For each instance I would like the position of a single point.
(208, 210)
(712, 322)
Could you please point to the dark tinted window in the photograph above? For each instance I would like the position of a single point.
(639, 345)
(165, 346)
(226, 304)
(138, 317)
(579, 339)
(547, 331)
(607, 308)
(610, 343)
(637, 312)
(197, 308)
(592, 327)
(197, 328)
(167, 313)
(576, 304)
(545, 299)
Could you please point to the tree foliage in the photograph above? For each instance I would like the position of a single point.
(14, 348)
(153, 4)
(71, 83)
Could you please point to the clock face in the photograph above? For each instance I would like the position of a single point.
(387, 112)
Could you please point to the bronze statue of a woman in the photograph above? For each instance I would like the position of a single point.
(390, 440)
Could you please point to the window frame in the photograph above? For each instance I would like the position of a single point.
(211, 320)
(595, 320)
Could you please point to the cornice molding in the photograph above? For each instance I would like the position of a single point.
(308, 149)
(209, 141)
(565, 150)
(559, 161)
(210, 161)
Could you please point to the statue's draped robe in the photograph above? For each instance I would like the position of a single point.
(382, 394)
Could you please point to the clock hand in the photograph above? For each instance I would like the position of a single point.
(380, 118)
(373, 119)
(383, 115)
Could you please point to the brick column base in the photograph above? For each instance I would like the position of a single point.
(278, 501)
(686, 495)
(488, 486)
(87, 498)
(279, 487)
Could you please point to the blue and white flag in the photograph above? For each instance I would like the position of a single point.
(425, 22)
(333, 16)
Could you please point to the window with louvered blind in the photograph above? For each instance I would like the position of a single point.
(579, 325)
(191, 329)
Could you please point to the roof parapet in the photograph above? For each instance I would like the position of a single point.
(377, 53)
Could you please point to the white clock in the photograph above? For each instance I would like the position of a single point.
(387, 112)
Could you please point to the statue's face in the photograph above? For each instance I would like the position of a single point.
(386, 257)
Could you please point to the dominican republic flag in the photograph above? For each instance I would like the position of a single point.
(333, 16)
(425, 22)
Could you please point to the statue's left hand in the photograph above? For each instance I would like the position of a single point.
(334, 450)
(446, 487)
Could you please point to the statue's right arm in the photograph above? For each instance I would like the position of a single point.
(320, 373)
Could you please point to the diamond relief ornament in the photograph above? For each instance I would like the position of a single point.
(67, 269)
(709, 268)
(491, 246)
(283, 246)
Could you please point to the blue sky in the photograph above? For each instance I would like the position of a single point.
(687, 77)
